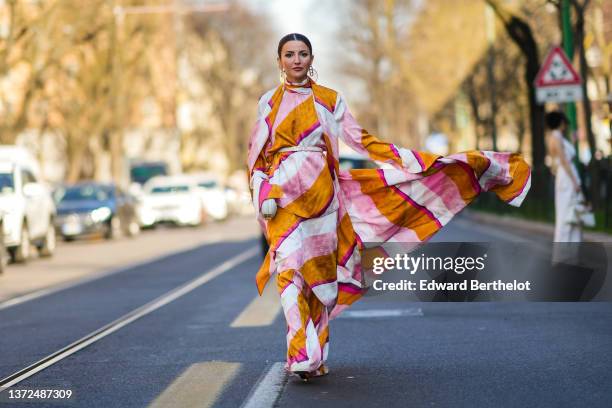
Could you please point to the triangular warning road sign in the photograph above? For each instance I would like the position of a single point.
(557, 70)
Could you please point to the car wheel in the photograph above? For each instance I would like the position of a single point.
(22, 252)
(196, 222)
(47, 248)
(199, 220)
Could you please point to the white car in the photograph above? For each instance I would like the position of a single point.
(170, 199)
(213, 196)
(28, 207)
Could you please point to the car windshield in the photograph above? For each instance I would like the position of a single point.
(169, 189)
(142, 173)
(80, 193)
(6, 183)
(208, 184)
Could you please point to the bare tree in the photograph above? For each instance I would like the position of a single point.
(26, 55)
(521, 34)
(230, 73)
(377, 34)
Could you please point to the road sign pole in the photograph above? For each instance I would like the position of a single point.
(568, 45)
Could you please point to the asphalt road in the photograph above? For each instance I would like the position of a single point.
(213, 345)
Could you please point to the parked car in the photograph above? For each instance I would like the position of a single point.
(213, 196)
(26, 202)
(95, 208)
(143, 171)
(172, 199)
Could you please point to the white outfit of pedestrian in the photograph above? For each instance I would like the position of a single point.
(566, 196)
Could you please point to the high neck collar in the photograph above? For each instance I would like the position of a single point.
(306, 83)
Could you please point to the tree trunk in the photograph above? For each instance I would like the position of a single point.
(520, 32)
(584, 72)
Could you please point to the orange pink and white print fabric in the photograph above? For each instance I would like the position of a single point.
(325, 214)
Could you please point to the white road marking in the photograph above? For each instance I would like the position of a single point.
(373, 313)
(95, 276)
(198, 386)
(125, 320)
(262, 310)
(267, 390)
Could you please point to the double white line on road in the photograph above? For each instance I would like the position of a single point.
(125, 320)
(86, 279)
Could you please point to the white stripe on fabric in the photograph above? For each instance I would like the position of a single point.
(307, 228)
(404, 234)
(309, 249)
(330, 125)
(313, 349)
(314, 138)
(327, 292)
(492, 171)
(516, 201)
(288, 296)
(290, 167)
(424, 197)
(409, 160)
(397, 176)
(258, 177)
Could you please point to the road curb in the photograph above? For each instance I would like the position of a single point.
(529, 225)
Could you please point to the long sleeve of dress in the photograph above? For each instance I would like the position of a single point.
(259, 184)
(367, 144)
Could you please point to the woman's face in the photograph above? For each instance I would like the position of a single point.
(295, 59)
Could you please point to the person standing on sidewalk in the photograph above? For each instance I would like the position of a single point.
(317, 217)
(568, 192)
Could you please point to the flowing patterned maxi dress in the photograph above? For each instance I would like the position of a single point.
(325, 215)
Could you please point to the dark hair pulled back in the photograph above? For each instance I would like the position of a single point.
(555, 119)
(294, 37)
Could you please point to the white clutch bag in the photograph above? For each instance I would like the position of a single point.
(581, 215)
(585, 215)
(268, 208)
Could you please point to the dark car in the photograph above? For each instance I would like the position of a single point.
(94, 208)
(143, 171)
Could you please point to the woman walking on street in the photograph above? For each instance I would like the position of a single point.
(317, 217)
(567, 183)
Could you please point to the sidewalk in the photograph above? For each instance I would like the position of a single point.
(91, 258)
(529, 225)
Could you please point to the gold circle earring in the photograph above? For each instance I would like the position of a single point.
(282, 76)
(313, 74)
